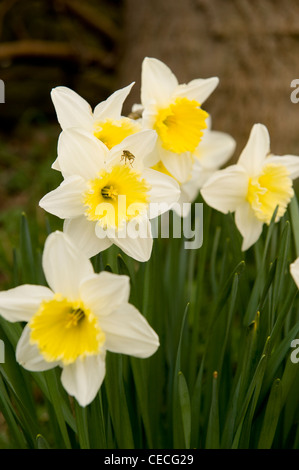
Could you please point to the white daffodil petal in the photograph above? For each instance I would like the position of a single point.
(164, 187)
(66, 200)
(198, 89)
(290, 162)
(71, 109)
(80, 153)
(189, 192)
(55, 165)
(209, 125)
(183, 207)
(180, 210)
(178, 165)
(82, 232)
(215, 149)
(226, 189)
(28, 355)
(152, 158)
(64, 265)
(248, 225)
(137, 108)
(128, 332)
(83, 378)
(137, 241)
(255, 151)
(294, 269)
(20, 303)
(200, 176)
(112, 107)
(104, 292)
(139, 144)
(157, 82)
(203, 177)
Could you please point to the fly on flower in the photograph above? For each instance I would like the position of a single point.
(127, 156)
(74, 321)
(105, 200)
(254, 187)
(174, 112)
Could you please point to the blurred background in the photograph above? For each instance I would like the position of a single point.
(97, 46)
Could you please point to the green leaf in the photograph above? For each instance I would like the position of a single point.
(42, 442)
(212, 440)
(254, 386)
(26, 250)
(82, 426)
(55, 398)
(271, 417)
(141, 380)
(281, 264)
(117, 402)
(179, 438)
(185, 406)
(196, 406)
(257, 289)
(11, 417)
(96, 423)
(278, 356)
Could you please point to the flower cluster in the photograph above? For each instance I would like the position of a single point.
(114, 168)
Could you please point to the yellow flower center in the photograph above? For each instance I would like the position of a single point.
(180, 125)
(272, 188)
(113, 132)
(116, 196)
(64, 330)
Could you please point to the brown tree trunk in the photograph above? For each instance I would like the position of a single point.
(251, 45)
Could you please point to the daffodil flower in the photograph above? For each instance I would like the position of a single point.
(74, 321)
(106, 195)
(105, 122)
(174, 111)
(254, 186)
